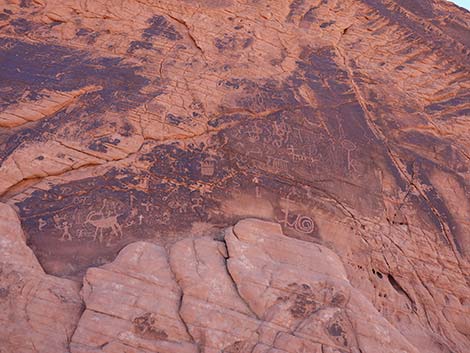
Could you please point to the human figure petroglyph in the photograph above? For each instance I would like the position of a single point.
(66, 232)
(197, 203)
(61, 224)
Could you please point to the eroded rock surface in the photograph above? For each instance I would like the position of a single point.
(161, 123)
(254, 290)
(38, 312)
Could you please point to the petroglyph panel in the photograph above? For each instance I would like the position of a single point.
(344, 122)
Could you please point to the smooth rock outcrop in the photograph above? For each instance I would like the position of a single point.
(38, 312)
(254, 290)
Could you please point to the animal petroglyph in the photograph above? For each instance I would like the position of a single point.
(102, 223)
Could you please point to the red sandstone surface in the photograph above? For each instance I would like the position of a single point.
(230, 176)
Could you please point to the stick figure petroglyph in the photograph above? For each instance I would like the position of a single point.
(64, 226)
(66, 232)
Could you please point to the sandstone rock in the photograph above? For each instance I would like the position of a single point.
(264, 292)
(134, 302)
(38, 312)
(216, 316)
(344, 122)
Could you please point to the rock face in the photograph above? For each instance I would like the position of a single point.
(134, 133)
(38, 312)
(255, 290)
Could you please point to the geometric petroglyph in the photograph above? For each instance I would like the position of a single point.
(300, 223)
